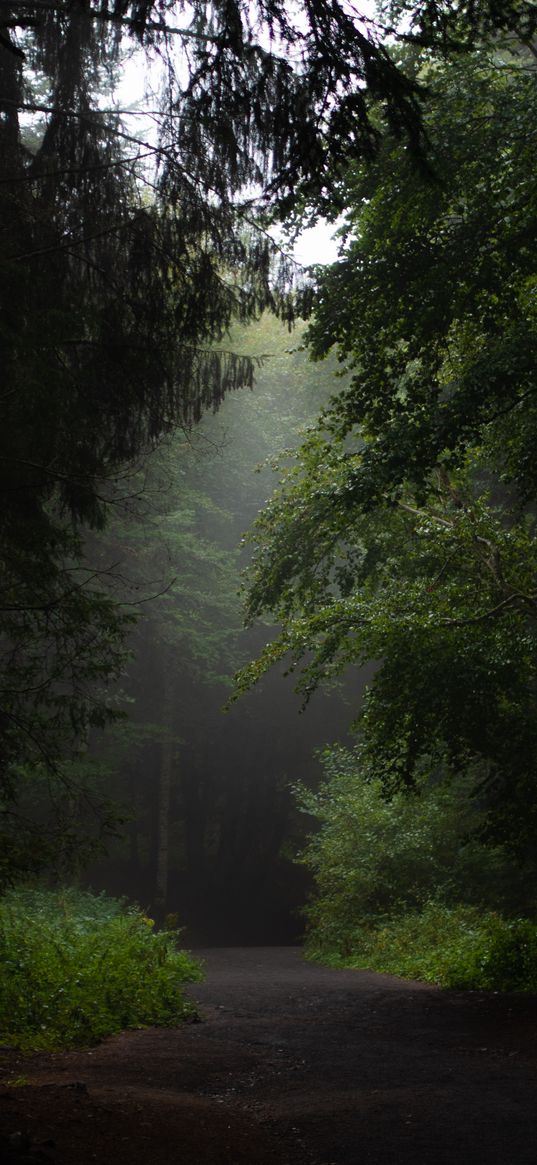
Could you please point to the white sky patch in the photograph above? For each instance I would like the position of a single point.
(317, 244)
(137, 94)
(134, 81)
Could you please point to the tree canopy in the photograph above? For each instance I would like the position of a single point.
(405, 532)
(125, 256)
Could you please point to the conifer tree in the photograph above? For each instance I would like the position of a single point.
(124, 260)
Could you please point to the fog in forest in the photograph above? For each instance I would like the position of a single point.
(268, 643)
(211, 827)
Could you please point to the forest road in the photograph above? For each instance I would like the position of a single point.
(291, 1064)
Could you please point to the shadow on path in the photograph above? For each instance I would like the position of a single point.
(292, 1064)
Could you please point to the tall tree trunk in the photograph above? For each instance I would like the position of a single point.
(10, 98)
(165, 788)
(133, 829)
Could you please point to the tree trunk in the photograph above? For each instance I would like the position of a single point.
(165, 788)
(10, 98)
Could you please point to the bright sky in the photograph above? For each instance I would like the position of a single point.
(316, 245)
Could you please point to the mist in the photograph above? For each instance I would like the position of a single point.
(211, 827)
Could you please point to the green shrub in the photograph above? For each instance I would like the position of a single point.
(503, 959)
(454, 946)
(373, 856)
(406, 884)
(75, 967)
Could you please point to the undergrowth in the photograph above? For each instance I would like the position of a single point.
(410, 883)
(454, 946)
(75, 967)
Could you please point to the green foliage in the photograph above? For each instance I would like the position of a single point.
(63, 643)
(459, 947)
(436, 592)
(405, 530)
(440, 276)
(75, 967)
(503, 959)
(125, 261)
(404, 884)
(375, 855)
(50, 832)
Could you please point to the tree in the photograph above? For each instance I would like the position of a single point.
(123, 263)
(124, 260)
(226, 789)
(405, 532)
(106, 345)
(375, 858)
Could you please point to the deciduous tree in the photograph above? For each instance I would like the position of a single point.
(406, 532)
(126, 255)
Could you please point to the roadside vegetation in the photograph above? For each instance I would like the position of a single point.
(404, 532)
(400, 541)
(454, 946)
(409, 885)
(76, 967)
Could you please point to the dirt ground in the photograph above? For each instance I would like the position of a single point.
(291, 1064)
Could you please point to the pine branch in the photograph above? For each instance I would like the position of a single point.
(135, 26)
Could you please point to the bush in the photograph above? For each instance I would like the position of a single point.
(75, 967)
(375, 857)
(453, 946)
(503, 959)
(407, 885)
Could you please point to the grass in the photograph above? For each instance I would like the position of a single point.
(76, 967)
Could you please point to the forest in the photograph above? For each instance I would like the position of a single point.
(268, 643)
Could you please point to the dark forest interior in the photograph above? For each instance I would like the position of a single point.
(268, 638)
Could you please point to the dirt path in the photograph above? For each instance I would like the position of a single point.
(292, 1064)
